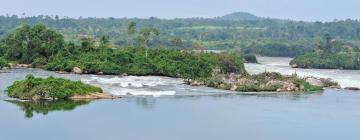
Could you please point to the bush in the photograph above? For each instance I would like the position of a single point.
(39, 62)
(54, 88)
(3, 63)
(250, 58)
(305, 86)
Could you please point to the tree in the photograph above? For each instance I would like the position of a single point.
(177, 42)
(28, 43)
(131, 30)
(146, 35)
(198, 46)
(104, 41)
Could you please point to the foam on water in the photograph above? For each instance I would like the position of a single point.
(346, 78)
(135, 85)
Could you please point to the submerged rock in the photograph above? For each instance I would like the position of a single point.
(94, 96)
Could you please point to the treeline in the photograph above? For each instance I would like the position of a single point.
(44, 47)
(236, 30)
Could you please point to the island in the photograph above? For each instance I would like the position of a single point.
(51, 88)
(330, 54)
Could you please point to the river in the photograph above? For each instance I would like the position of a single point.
(160, 108)
(346, 78)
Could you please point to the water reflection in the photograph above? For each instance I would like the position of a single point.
(44, 107)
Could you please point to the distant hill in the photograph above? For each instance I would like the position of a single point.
(238, 16)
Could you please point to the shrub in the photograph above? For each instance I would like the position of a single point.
(3, 63)
(250, 58)
(39, 62)
(305, 86)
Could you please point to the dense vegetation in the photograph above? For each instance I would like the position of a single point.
(50, 88)
(330, 54)
(265, 36)
(3, 63)
(41, 46)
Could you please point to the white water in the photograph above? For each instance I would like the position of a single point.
(346, 78)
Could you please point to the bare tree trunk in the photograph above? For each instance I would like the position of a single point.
(146, 48)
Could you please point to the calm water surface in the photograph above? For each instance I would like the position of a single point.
(178, 112)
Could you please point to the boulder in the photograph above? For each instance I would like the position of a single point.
(294, 65)
(233, 88)
(77, 70)
(61, 72)
(196, 83)
(315, 82)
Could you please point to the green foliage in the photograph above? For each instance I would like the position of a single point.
(55, 88)
(49, 50)
(306, 86)
(331, 54)
(160, 61)
(29, 43)
(39, 62)
(272, 37)
(250, 58)
(276, 49)
(3, 63)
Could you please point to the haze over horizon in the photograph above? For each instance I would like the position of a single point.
(307, 10)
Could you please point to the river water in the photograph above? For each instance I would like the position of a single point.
(346, 78)
(175, 111)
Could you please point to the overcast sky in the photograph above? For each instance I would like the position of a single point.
(310, 10)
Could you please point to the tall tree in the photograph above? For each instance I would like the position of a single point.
(104, 41)
(146, 35)
(131, 30)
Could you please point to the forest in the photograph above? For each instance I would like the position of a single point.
(265, 36)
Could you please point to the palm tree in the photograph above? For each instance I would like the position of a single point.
(131, 30)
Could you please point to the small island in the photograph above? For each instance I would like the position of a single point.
(51, 88)
(330, 54)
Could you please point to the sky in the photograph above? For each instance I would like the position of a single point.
(308, 10)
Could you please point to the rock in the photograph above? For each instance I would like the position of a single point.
(233, 88)
(100, 73)
(315, 82)
(77, 70)
(124, 74)
(335, 87)
(22, 66)
(196, 83)
(61, 72)
(94, 96)
(294, 65)
(36, 98)
(281, 90)
(352, 88)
